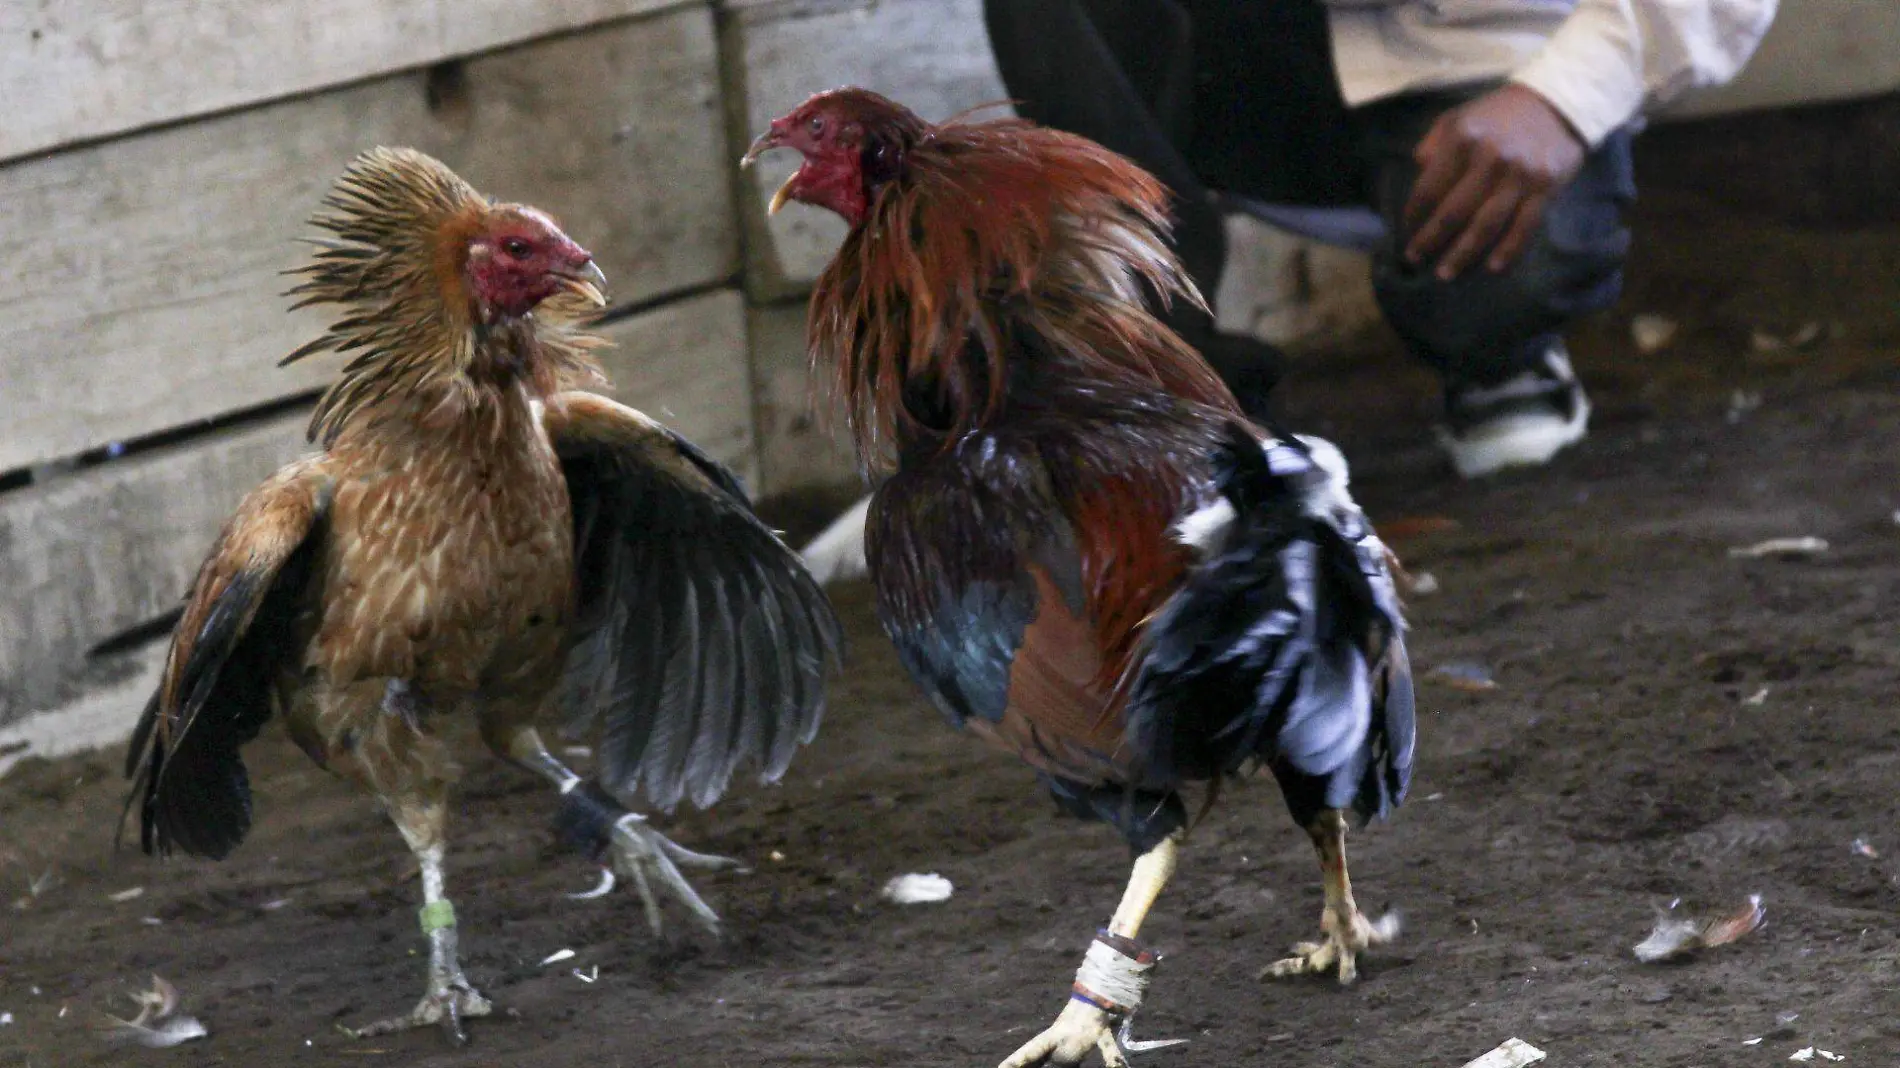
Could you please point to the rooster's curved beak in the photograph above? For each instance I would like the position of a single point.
(589, 281)
(772, 138)
(762, 144)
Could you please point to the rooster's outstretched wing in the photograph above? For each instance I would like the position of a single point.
(700, 640)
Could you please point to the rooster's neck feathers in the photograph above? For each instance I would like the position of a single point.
(402, 223)
(994, 229)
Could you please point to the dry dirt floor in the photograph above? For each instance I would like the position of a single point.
(1668, 722)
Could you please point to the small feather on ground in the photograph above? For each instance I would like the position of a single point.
(157, 1026)
(1464, 675)
(914, 889)
(1674, 936)
(1780, 547)
(1514, 1053)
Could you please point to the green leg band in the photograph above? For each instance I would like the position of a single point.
(437, 915)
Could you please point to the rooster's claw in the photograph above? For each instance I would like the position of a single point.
(647, 857)
(446, 1005)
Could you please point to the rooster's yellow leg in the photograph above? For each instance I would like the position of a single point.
(449, 996)
(1084, 1026)
(590, 816)
(1344, 930)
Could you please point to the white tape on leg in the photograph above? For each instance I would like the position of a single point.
(1114, 974)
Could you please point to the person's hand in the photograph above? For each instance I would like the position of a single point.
(1487, 171)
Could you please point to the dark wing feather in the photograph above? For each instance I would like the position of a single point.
(700, 642)
(980, 588)
(1285, 644)
(954, 593)
(238, 627)
(1015, 568)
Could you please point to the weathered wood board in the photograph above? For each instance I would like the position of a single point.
(1816, 50)
(97, 552)
(82, 69)
(802, 439)
(91, 555)
(686, 365)
(931, 55)
(139, 277)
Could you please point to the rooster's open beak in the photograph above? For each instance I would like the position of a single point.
(764, 143)
(589, 282)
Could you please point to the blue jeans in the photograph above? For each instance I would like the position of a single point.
(1482, 328)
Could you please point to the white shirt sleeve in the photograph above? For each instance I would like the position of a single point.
(1612, 60)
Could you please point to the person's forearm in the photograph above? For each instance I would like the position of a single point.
(1611, 60)
(1591, 69)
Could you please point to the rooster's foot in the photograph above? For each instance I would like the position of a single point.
(447, 1003)
(1342, 939)
(648, 858)
(1081, 1029)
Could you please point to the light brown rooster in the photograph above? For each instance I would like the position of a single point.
(475, 538)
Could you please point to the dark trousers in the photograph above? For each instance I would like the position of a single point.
(1239, 97)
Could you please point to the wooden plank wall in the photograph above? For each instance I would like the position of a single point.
(84, 69)
(139, 268)
(150, 265)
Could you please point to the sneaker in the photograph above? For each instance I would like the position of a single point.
(1522, 422)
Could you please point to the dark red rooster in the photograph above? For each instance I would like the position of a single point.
(477, 538)
(1084, 552)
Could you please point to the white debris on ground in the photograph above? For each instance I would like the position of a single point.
(915, 889)
(557, 957)
(35, 889)
(1652, 333)
(158, 1025)
(1758, 697)
(1674, 935)
(1465, 675)
(1514, 1053)
(1764, 341)
(1811, 1052)
(124, 896)
(1740, 403)
(1804, 546)
(1424, 584)
(1863, 848)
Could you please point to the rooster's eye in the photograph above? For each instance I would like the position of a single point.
(516, 247)
(817, 125)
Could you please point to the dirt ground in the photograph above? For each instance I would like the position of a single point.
(1669, 723)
